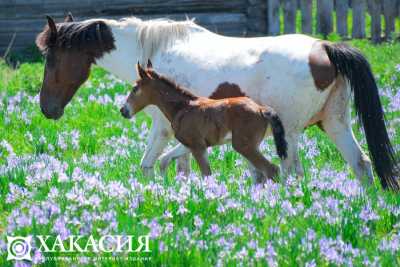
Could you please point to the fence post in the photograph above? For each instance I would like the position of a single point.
(358, 18)
(289, 11)
(375, 11)
(324, 16)
(256, 17)
(341, 17)
(306, 16)
(273, 17)
(389, 11)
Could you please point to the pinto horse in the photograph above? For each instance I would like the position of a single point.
(200, 122)
(306, 80)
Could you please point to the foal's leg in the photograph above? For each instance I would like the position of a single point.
(178, 151)
(200, 154)
(261, 163)
(255, 173)
(247, 146)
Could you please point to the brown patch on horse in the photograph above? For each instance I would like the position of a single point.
(322, 69)
(227, 90)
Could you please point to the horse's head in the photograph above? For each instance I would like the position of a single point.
(69, 48)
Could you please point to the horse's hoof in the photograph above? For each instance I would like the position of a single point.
(183, 166)
(148, 172)
(164, 163)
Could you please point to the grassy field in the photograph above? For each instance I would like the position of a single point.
(81, 176)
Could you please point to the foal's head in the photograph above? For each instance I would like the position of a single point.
(142, 93)
(154, 89)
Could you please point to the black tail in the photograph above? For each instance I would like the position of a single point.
(351, 64)
(278, 132)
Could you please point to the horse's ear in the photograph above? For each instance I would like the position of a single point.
(53, 29)
(149, 64)
(69, 17)
(52, 24)
(141, 72)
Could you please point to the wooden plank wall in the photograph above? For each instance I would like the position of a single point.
(25, 18)
(326, 10)
(21, 20)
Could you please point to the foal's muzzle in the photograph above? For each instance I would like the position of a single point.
(125, 112)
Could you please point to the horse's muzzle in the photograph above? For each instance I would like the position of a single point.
(52, 112)
(125, 112)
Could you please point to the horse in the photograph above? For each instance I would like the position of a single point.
(307, 81)
(199, 122)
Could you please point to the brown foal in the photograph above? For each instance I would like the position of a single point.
(200, 122)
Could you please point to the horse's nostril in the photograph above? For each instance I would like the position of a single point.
(124, 112)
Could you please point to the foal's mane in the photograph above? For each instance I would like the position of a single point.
(92, 36)
(171, 84)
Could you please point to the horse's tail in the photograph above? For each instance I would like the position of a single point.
(351, 64)
(278, 132)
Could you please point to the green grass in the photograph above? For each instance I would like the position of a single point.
(109, 149)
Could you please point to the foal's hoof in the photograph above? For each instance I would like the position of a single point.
(274, 173)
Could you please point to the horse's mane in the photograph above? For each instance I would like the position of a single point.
(157, 34)
(96, 35)
(93, 36)
(172, 84)
(227, 90)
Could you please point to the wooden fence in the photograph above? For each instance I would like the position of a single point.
(21, 20)
(327, 10)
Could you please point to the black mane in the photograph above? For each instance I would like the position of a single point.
(94, 37)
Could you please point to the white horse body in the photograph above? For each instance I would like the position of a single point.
(271, 70)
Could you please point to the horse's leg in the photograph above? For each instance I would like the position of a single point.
(340, 132)
(292, 162)
(183, 164)
(158, 138)
(200, 154)
(336, 123)
(298, 167)
(178, 151)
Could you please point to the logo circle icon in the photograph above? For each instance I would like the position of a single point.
(19, 248)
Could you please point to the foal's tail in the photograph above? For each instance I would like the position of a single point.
(278, 132)
(350, 63)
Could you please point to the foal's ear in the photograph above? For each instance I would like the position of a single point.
(149, 64)
(69, 17)
(141, 72)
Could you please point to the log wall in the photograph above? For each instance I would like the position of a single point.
(21, 20)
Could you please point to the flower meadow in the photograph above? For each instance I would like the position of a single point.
(81, 176)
